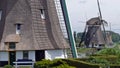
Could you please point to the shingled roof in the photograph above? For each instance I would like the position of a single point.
(36, 33)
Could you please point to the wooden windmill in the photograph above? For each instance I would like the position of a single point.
(31, 29)
(93, 35)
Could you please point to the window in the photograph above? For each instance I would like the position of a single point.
(18, 27)
(25, 54)
(0, 14)
(42, 13)
(12, 45)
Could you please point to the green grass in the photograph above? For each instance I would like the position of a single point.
(21, 67)
(84, 50)
(24, 67)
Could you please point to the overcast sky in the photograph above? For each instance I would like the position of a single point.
(82, 10)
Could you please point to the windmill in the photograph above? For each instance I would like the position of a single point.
(93, 36)
(31, 29)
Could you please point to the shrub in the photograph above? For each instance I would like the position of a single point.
(92, 62)
(63, 66)
(43, 64)
(115, 66)
(57, 63)
(8, 66)
(111, 59)
(80, 64)
(109, 51)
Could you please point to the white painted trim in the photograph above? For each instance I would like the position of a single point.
(19, 55)
(54, 54)
(32, 55)
(4, 56)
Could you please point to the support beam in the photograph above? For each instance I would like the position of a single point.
(68, 27)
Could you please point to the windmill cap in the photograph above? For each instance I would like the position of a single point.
(94, 21)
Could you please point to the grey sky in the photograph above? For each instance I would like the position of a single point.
(82, 10)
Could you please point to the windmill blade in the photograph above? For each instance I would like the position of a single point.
(83, 36)
(99, 10)
(105, 22)
(104, 31)
(102, 21)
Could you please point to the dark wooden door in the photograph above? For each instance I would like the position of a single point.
(39, 55)
(12, 57)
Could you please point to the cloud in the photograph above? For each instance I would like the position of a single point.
(79, 10)
(83, 1)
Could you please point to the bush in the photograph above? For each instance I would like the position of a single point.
(43, 64)
(57, 63)
(109, 51)
(80, 64)
(103, 61)
(63, 66)
(111, 59)
(8, 66)
(115, 66)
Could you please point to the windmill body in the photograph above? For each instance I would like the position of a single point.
(93, 35)
(30, 29)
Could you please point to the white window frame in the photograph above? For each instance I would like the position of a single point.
(42, 11)
(18, 28)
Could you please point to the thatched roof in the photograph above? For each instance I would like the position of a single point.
(35, 33)
(12, 38)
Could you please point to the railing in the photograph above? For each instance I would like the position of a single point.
(24, 62)
(61, 18)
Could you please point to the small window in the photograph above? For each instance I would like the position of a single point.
(25, 54)
(18, 27)
(42, 13)
(0, 14)
(12, 45)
